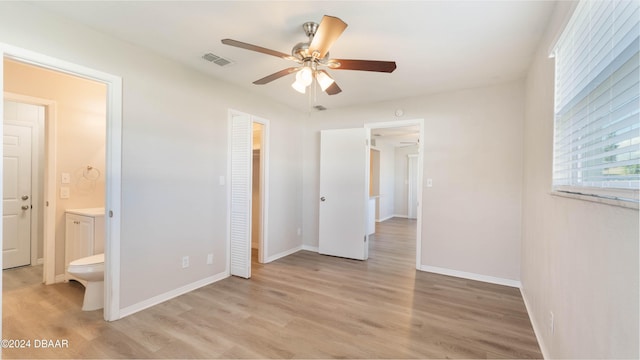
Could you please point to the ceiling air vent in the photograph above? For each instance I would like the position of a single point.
(216, 59)
(320, 108)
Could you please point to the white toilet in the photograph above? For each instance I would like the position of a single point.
(90, 272)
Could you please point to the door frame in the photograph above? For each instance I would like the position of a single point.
(420, 123)
(264, 194)
(49, 184)
(113, 200)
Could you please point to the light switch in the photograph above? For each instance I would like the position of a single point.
(66, 178)
(429, 182)
(64, 192)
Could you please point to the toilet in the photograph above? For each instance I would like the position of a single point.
(90, 272)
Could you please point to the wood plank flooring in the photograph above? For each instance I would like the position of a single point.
(302, 306)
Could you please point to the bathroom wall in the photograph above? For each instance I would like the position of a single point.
(80, 135)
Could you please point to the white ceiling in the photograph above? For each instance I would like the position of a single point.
(437, 45)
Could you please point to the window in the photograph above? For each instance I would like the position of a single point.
(597, 117)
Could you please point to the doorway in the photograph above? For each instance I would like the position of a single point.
(400, 172)
(248, 192)
(112, 168)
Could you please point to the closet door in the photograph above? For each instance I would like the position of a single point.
(241, 175)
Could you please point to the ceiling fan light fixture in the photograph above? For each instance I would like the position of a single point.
(305, 76)
(299, 87)
(324, 80)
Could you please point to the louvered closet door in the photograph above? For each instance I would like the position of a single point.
(241, 156)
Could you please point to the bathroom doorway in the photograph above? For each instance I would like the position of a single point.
(52, 254)
(67, 119)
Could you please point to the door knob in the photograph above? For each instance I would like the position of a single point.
(25, 197)
(25, 207)
(322, 199)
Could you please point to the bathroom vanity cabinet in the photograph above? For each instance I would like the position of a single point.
(84, 234)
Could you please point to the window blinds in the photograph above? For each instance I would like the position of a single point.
(597, 118)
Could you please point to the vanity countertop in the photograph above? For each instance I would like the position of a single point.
(86, 212)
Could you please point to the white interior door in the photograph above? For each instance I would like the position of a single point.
(344, 193)
(16, 185)
(241, 192)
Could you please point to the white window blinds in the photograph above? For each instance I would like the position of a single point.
(597, 118)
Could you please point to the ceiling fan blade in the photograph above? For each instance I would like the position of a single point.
(363, 65)
(257, 48)
(333, 89)
(277, 75)
(329, 30)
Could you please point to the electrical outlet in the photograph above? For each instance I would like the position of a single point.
(552, 325)
(185, 262)
(209, 259)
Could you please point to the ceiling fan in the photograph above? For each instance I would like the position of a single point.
(313, 55)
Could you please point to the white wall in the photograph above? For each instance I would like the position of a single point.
(174, 146)
(401, 186)
(473, 152)
(579, 258)
(387, 179)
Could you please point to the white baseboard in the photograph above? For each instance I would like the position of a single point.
(40, 261)
(536, 327)
(401, 216)
(471, 276)
(59, 278)
(283, 254)
(132, 309)
(386, 218)
(310, 248)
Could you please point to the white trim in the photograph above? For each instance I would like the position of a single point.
(284, 253)
(471, 276)
(59, 278)
(263, 247)
(132, 309)
(598, 199)
(386, 218)
(536, 327)
(421, 146)
(309, 248)
(49, 186)
(40, 261)
(401, 216)
(113, 160)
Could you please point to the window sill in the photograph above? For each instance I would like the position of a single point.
(602, 200)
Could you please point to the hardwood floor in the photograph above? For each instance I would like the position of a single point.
(302, 306)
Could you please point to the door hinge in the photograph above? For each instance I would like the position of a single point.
(110, 213)
(365, 238)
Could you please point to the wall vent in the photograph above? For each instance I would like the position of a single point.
(218, 60)
(320, 108)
